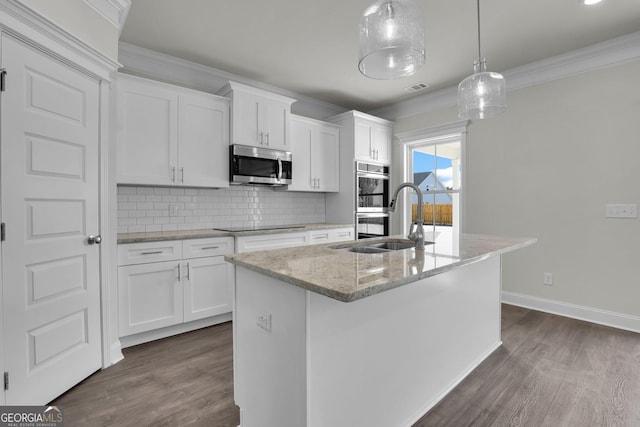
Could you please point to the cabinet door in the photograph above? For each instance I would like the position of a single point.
(149, 296)
(326, 158)
(301, 135)
(245, 127)
(147, 136)
(207, 287)
(363, 140)
(382, 144)
(275, 124)
(203, 149)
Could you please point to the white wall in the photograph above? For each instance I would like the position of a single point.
(79, 19)
(546, 168)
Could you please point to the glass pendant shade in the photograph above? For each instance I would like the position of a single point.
(483, 94)
(391, 39)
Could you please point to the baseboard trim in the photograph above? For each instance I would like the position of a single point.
(157, 334)
(589, 314)
(116, 353)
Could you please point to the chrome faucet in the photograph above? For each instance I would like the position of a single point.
(416, 232)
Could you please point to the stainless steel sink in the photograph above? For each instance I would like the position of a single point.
(393, 246)
(378, 247)
(367, 250)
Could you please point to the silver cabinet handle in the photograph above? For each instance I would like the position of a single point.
(173, 173)
(94, 240)
(188, 272)
(179, 274)
(267, 138)
(151, 253)
(211, 247)
(261, 138)
(182, 174)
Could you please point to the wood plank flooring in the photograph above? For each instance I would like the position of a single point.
(550, 371)
(185, 380)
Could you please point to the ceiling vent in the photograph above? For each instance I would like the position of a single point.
(416, 87)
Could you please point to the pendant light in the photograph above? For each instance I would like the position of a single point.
(391, 39)
(483, 94)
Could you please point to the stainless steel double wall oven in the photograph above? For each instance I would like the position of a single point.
(372, 201)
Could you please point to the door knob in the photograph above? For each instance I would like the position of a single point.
(94, 240)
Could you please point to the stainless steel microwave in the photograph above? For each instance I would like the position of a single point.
(254, 165)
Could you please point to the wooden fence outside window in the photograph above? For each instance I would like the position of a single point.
(434, 214)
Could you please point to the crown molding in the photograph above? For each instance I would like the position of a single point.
(114, 11)
(601, 55)
(159, 66)
(25, 24)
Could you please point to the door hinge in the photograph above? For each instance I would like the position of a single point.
(3, 75)
(6, 380)
(2, 235)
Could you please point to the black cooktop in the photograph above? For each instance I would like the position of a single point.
(258, 228)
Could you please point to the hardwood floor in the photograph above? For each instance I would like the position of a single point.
(550, 371)
(185, 380)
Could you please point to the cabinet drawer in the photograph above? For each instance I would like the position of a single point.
(198, 248)
(343, 234)
(272, 241)
(142, 253)
(330, 235)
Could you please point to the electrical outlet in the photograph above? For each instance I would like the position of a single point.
(622, 211)
(548, 279)
(173, 210)
(264, 321)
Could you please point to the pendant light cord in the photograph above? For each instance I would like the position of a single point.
(479, 52)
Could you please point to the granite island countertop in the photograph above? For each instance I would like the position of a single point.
(334, 271)
(157, 236)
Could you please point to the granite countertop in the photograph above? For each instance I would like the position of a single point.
(334, 271)
(157, 236)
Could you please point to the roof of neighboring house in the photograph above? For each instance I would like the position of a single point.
(419, 177)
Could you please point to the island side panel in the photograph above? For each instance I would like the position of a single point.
(269, 366)
(387, 359)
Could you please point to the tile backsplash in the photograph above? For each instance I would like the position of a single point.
(143, 209)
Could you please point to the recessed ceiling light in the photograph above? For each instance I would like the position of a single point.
(589, 2)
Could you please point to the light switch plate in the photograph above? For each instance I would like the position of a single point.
(622, 211)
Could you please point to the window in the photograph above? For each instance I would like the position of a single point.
(434, 161)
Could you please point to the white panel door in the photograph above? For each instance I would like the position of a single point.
(149, 296)
(382, 136)
(203, 149)
(246, 119)
(363, 140)
(301, 136)
(275, 124)
(147, 147)
(50, 274)
(326, 158)
(207, 290)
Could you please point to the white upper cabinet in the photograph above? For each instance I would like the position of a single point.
(370, 137)
(259, 118)
(203, 136)
(372, 141)
(315, 147)
(169, 135)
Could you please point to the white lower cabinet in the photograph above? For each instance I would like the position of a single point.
(288, 240)
(154, 294)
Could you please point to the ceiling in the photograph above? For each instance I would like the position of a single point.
(311, 47)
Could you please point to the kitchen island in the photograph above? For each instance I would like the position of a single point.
(324, 336)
